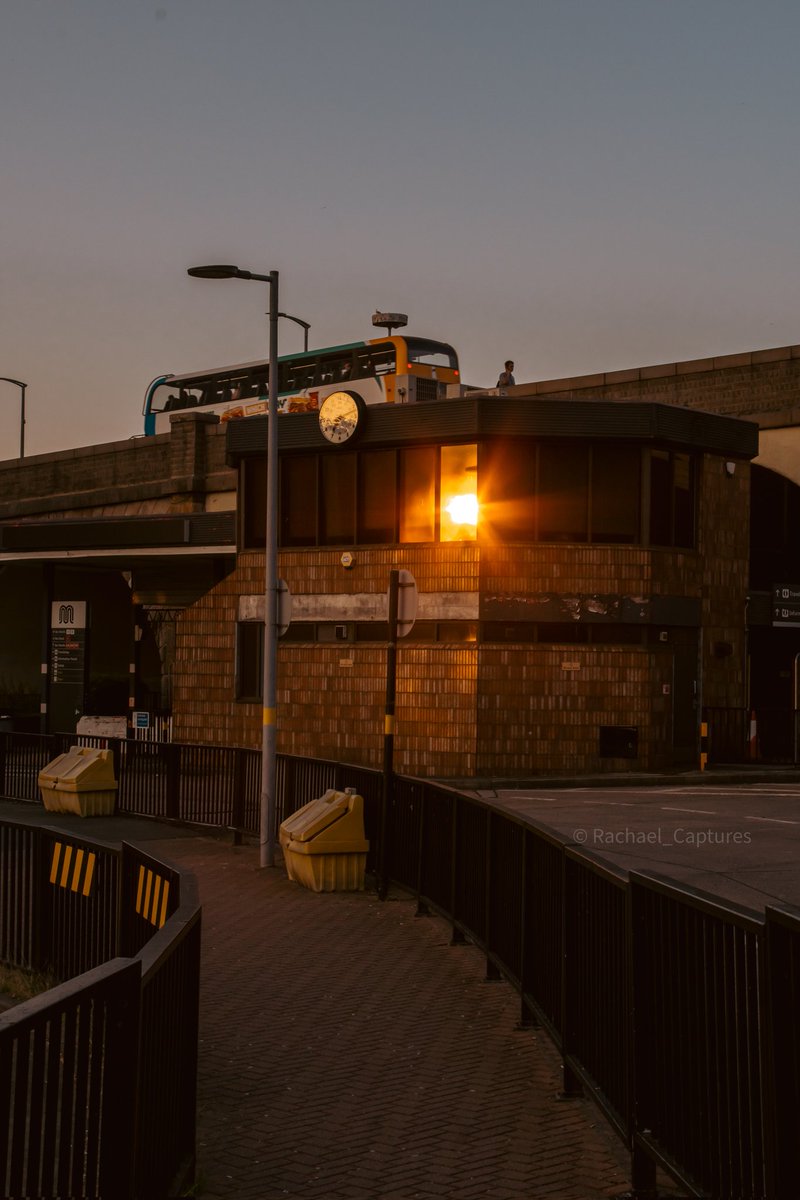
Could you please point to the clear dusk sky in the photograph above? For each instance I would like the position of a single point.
(581, 185)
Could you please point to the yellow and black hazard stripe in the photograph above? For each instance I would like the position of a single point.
(152, 896)
(72, 868)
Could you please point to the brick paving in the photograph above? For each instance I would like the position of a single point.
(347, 1050)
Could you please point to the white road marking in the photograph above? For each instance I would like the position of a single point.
(772, 820)
(706, 812)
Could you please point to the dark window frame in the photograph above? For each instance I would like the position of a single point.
(249, 640)
(656, 513)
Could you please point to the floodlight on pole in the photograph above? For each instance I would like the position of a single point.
(22, 386)
(270, 659)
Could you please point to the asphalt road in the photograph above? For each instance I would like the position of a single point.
(740, 842)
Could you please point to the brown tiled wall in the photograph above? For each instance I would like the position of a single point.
(203, 683)
(511, 570)
(541, 708)
(489, 710)
(537, 715)
(446, 568)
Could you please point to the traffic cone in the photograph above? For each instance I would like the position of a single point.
(752, 738)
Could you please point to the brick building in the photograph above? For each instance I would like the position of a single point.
(617, 583)
(579, 625)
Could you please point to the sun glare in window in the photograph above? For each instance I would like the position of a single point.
(459, 500)
(463, 510)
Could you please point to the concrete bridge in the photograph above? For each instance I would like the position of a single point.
(138, 530)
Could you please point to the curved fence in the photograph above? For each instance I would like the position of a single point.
(675, 1011)
(216, 786)
(98, 1074)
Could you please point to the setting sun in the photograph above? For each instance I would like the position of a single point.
(463, 510)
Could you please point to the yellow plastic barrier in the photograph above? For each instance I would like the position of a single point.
(80, 781)
(323, 843)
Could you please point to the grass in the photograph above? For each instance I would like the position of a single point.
(21, 984)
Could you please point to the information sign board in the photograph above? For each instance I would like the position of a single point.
(786, 604)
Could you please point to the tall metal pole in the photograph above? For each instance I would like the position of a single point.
(269, 719)
(388, 733)
(270, 701)
(22, 386)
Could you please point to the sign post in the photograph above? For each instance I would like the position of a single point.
(402, 612)
(67, 663)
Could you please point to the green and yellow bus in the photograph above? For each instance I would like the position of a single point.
(387, 370)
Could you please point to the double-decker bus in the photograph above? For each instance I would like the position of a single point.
(387, 370)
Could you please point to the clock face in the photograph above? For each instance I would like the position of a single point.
(339, 416)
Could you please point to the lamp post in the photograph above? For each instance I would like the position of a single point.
(269, 723)
(22, 386)
(304, 324)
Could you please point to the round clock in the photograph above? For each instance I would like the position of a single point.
(340, 414)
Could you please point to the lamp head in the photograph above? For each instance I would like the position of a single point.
(220, 271)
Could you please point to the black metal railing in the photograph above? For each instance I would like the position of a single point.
(761, 734)
(97, 1074)
(674, 1010)
(216, 786)
(66, 1114)
(698, 1084)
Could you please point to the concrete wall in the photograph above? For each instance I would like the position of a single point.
(756, 385)
(183, 471)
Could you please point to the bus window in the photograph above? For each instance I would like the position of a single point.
(431, 354)
(189, 397)
(310, 374)
(367, 365)
(364, 366)
(384, 360)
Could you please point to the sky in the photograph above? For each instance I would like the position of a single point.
(579, 185)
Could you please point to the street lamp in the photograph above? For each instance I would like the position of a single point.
(304, 324)
(269, 724)
(22, 386)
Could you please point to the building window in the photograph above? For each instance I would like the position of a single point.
(774, 521)
(374, 497)
(525, 491)
(458, 494)
(299, 631)
(249, 660)
(672, 502)
(683, 500)
(298, 518)
(456, 631)
(417, 488)
(507, 480)
(610, 634)
(253, 488)
(615, 491)
(337, 510)
(563, 492)
(560, 492)
(561, 632)
(377, 497)
(508, 631)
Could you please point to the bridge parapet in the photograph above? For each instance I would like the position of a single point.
(175, 472)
